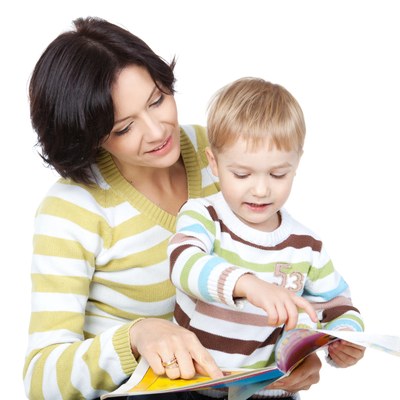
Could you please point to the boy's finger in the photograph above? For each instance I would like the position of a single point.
(307, 307)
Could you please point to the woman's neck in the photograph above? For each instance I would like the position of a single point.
(165, 187)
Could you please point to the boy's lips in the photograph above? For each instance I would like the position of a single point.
(258, 206)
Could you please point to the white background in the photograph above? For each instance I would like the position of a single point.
(340, 59)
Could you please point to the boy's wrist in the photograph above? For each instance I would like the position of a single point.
(243, 283)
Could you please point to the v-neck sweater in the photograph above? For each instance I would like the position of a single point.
(99, 264)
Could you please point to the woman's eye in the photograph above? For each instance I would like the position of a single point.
(124, 130)
(158, 101)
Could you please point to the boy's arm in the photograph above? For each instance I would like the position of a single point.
(194, 268)
(340, 314)
(330, 295)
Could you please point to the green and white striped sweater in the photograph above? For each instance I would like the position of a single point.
(99, 263)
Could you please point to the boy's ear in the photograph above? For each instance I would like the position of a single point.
(212, 161)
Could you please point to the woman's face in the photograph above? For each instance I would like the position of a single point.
(146, 131)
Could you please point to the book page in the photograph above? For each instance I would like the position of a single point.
(387, 343)
(290, 351)
(297, 344)
(145, 381)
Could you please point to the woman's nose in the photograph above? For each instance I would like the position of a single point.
(152, 128)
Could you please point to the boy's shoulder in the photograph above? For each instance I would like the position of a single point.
(299, 228)
(212, 200)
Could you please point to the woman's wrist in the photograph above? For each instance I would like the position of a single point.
(134, 349)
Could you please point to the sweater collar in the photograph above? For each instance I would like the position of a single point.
(123, 189)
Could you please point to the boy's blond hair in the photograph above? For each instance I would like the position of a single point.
(255, 110)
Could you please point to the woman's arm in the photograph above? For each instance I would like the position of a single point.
(63, 359)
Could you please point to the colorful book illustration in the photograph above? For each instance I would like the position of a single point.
(242, 383)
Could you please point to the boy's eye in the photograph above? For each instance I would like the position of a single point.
(240, 176)
(276, 176)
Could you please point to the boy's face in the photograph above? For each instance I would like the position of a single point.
(255, 182)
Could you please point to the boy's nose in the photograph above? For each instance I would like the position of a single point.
(261, 187)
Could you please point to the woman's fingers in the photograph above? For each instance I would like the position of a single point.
(205, 364)
(185, 363)
(302, 377)
(171, 367)
(171, 350)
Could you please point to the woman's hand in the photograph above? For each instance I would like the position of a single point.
(345, 354)
(302, 377)
(172, 350)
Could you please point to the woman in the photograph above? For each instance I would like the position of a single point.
(102, 105)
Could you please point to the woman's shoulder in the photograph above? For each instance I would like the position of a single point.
(197, 134)
(66, 193)
(193, 144)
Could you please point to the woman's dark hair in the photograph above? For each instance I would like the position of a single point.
(71, 106)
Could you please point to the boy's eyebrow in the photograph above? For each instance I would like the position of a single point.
(129, 116)
(284, 165)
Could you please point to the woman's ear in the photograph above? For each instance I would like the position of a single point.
(212, 161)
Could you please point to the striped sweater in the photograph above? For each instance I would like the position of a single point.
(213, 248)
(99, 263)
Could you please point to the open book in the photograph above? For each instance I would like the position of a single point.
(242, 383)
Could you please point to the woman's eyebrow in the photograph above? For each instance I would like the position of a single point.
(129, 116)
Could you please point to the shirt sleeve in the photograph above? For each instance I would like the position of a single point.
(62, 361)
(331, 296)
(195, 268)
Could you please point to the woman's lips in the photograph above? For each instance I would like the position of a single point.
(162, 147)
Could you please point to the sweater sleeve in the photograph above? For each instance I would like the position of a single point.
(330, 294)
(62, 360)
(194, 268)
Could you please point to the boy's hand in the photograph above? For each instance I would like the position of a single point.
(345, 354)
(280, 304)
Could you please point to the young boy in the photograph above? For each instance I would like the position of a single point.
(243, 267)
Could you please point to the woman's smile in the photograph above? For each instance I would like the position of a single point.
(163, 148)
